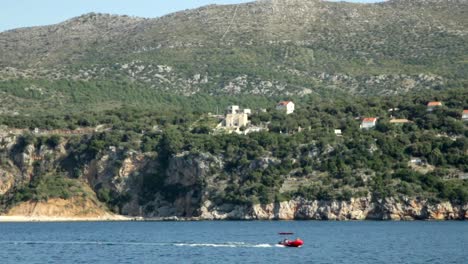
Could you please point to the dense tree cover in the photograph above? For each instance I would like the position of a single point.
(47, 187)
(258, 167)
(76, 103)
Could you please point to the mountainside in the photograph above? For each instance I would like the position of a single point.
(269, 47)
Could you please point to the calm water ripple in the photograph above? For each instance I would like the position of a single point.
(233, 242)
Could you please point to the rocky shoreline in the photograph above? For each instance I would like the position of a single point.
(193, 202)
(355, 209)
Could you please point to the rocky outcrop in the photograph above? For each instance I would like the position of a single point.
(191, 188)
(187, 169)
(7, 180)
(355, 209)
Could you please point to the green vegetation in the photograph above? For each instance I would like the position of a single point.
(47, 187)
(259, 167)
(381, 49)
(90, 103)
(299, 156)
(113, 199)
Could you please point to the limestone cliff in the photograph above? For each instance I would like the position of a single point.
(189, 186)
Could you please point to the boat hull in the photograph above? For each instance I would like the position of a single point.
(293, 243)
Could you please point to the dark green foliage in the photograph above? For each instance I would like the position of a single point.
(113, 199)
(53, 141)
(47, 187)
(22, 142)
(299, 146)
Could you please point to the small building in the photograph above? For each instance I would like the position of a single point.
(400, 121)
(417, 161)
(232, 109)
(432, 105)
(236, 120)
(287, 106)
(338, 132)
(465, 115)
(368, 122)
(247, 111)
(463, 176)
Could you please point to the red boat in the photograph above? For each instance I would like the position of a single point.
(292, 243)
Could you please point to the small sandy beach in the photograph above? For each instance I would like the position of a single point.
(4, 219)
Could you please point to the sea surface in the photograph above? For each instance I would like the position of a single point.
(233, 242)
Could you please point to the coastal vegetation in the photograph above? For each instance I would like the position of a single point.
(299, 156)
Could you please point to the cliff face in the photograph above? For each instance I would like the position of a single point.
(189, 187)
(355, 209)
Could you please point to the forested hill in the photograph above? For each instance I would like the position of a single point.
(412, 165)
(270, 47)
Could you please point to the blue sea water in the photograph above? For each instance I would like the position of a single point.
(233, 242)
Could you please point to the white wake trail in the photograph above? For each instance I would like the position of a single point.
(117, 243)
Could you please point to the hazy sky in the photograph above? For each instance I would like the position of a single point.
(24, 13)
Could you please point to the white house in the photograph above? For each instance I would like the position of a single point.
(236, 117)
(416, 161)
(338, 132)
(368, 122)
(432, 105)
(465, 115)
(233, 109)
(236, 120)
(287, 106)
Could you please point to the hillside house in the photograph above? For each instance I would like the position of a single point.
(247, 111)
(338, 132)
(232, 109)
(236, 120)
(235, 109)
(465, 115)
(416, 161)
(287, 106)
(236, 117)
(368, 122)
(432, 105)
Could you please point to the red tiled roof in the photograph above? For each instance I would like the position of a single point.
(284, 102)
(369, 120)
(434, 104)
(465, 111)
